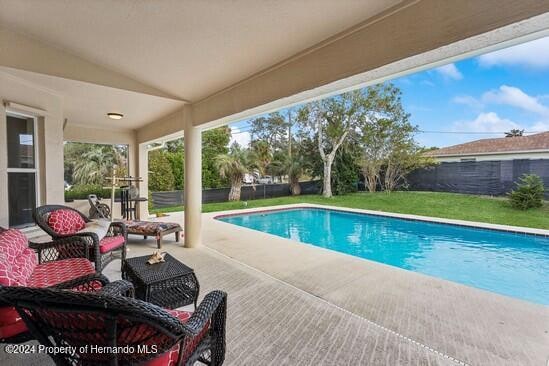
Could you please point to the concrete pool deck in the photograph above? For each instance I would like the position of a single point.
(473, 326)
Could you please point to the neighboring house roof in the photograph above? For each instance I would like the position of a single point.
(539, 141)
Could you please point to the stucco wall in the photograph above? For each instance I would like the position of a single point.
(84, 207)
(49, 138)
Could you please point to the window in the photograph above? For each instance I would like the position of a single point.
(22, 169)
(468, 160)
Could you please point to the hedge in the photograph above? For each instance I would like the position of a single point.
(81, 192)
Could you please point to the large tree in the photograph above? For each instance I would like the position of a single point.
(273, 129)
(331, 121)
(389, 149)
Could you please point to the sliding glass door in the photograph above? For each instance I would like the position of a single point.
(22, 169)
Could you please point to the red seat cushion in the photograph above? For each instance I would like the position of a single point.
(170, 358)
(109, 243)
(52, 273)
(64, 221)
(10, 322)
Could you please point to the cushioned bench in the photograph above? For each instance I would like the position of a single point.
(153, 228)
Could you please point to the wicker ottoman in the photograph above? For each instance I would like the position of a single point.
(170, 284)
(153, 228)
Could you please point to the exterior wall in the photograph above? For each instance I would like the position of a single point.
(49, 139)
(84, 207)
(491, 157)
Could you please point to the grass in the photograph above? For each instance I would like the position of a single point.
(446, 205)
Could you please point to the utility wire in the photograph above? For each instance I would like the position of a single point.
(469, 132)
(248, 129)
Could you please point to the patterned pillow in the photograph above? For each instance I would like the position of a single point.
(12, 243)
(65, 222)
(25, 264)
(14, 255)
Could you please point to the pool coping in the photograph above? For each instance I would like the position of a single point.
(410, 217)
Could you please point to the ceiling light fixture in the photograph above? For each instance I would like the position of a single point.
(115, 115)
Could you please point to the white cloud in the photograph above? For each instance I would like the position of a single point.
(450, 71)
(534, 54)
(486, 122)
(469, 101)
(541, 126)
(241, 137)
(515, 97)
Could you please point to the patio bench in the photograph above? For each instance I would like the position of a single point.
(157, 229)
(150, 334)
(106, 240)
(20, 266)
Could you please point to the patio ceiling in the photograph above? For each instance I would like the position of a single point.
(186, 49)
(87, 104)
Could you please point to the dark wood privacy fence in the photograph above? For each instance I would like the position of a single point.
(478, 177)
(175, 198)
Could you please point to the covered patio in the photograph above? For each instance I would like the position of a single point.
(176, 69)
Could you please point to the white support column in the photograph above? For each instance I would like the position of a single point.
(193, 185)
(143, 172)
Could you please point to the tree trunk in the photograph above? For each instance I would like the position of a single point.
(295, 188)
(327, 192)
(234, 193)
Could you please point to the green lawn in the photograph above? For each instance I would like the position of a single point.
(447, 205)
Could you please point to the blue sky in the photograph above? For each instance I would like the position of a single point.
(479, 97)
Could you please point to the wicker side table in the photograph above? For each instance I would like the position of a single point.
(170, 284)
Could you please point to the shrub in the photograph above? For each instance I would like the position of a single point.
(529, 192)
(160, 172)
(81, 192)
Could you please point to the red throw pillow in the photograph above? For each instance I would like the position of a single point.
(65, 222)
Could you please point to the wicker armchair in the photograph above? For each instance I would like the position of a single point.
(101, 251)
(144, 333)
(60, 265)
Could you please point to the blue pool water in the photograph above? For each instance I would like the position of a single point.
(510, 264)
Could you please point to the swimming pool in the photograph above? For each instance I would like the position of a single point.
(510, 264)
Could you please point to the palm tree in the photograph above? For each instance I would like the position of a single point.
(96, 164)
(293, 167)
(233, 166)
(261, 156)
(295, 171)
